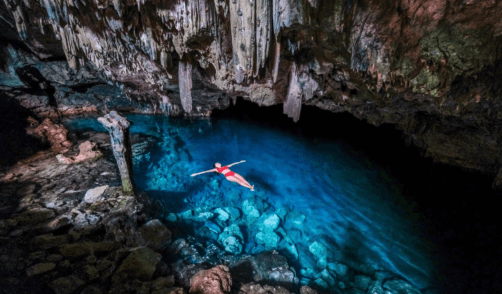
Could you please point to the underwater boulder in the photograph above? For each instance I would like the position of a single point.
(197, 216)
(213, 227)
(268, 239)
(234, 213)
(400, 286)
(340, 269)
(232, 239)
(222, 214)
(251, 212)
(272, 267)
(318, 250)
(268, 222)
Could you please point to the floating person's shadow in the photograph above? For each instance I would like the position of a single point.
(259, 180)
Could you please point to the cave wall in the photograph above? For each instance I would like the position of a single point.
(429, 67)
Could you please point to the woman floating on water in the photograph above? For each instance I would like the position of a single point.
(230, 175)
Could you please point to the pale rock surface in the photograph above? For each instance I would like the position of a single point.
(95, 194)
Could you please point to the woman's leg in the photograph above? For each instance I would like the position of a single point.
(242, 179)
(238, 181)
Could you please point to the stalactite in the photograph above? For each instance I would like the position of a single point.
(293, 103)
(185, 83)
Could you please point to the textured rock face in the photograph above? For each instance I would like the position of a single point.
(429, 67)
(213, 281)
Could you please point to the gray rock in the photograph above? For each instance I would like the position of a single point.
(253, 288)
(307, 290)
(156, 235)
(67, 285)
(48, 241)
(139, 264)
(40, 268)
(95, 194)
(35, 216)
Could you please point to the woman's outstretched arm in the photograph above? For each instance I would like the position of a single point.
(229, 165)
(207, 171)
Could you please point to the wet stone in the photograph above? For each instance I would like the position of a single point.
(49, 241)
(66, 285)
(35, 216)
(140, 264)
(40, 269)
(156, 235)
(362, 282)
(268, 239)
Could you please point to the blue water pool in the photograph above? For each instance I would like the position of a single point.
(338, 195)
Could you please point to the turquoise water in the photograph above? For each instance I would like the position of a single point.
(348, 199)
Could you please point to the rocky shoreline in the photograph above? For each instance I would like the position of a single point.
(68, 228)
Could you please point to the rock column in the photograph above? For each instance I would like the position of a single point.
(118, 127)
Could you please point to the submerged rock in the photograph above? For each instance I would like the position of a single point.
(232, 239)
(268, 222)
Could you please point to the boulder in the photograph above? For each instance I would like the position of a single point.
(139, 264)
(40, 268)
(155, 234)
(362, 282)
(66, 285)
(399, 286)
(222, 214)
(273, 267)
(339, 268)
(307, 290)
(48, 241)
(163, 283)
(232, 239)
(34, 216)
(268, 239)
(95, 194)
(318, 250)
(216, 280)
(268, 222)
(253, 288)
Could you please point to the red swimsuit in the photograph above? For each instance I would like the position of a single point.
(221, 169)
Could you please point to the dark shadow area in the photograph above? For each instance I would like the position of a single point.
(16, 144)
(456, 209)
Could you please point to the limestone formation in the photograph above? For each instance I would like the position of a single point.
(118, 127)
(87, 151)
(216, 280)
(430, 72)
